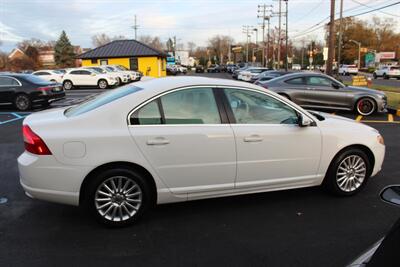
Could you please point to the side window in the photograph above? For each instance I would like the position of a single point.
(295, 81)
(147, 115)
(75, 72)
(5, 81)
(38, 73)
(191, 106)
(85, 72)
(319, 81)
(251, 107)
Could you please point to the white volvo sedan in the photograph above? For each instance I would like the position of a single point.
(185, 138)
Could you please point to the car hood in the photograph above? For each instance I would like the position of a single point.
(364, 89)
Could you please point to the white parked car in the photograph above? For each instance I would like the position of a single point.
(348, 70)
(250, 74)
(387, 72)
(185, 138)
(135, 75)
(50, 75)
(296, 67)
(119, 77)
(87, 77)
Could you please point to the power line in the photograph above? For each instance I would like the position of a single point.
(362, 4)
(376, 9)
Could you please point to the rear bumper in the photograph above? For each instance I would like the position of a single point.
(49, 98)
(45, 178)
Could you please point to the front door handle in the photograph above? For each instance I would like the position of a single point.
(159, 141)
(253, 138)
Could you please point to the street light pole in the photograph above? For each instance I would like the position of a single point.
(359, 52)
(287, 53)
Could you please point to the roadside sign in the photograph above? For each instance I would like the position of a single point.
(359, 81)
(364, 50)
(325, 53)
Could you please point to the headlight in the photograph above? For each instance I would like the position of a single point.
(380, 140)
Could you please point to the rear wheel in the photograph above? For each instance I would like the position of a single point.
(375, 76)
(348, 172)
(366, 106)
(22, 102)
(385, 76)
(118, 197)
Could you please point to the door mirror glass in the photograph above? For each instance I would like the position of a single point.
(335, 85)
(304, 121)
(391, 194)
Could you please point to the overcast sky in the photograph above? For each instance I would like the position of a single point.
(190, 20)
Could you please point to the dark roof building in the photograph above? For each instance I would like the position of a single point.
(123, 48)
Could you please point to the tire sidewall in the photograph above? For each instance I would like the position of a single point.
(330, 179)
(90, 193)
(100, 81)
(66, 82)
(27, 98)
(369, 99)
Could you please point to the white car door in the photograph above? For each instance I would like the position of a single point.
(88, 78)
(273, 151)
(185, 140)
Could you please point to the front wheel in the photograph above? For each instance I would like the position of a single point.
(67, 85)
(375, 76)
(366, 106)
(102, 84)
(118, 197)
(348, 172)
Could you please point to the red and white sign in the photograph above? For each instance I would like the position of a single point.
(386, 55)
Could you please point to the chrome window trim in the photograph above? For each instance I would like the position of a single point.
(5, 76)
(211, 86)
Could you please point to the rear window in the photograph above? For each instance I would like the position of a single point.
(100, 100)
(35, 79)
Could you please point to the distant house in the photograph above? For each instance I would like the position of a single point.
(131, 54)
(15, 54)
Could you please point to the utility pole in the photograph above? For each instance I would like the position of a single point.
(287, 53)
(340, 32)
(174, 46)
(247, 30)
(262, 13)
(331, 41)
(254, 55)
(279, 34)
(359, 52)
(135, 27)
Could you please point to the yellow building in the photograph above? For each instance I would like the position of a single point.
(131, 54)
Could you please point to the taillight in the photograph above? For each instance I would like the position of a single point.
(33, 142)
(46, 88)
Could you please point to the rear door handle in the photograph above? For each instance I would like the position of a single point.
(159, 141)
(253, 138)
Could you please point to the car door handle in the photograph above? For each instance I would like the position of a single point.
(157, 141)
(253, 138)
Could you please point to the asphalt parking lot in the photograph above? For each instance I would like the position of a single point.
(304, 227)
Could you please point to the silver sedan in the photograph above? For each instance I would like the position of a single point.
(319, 91)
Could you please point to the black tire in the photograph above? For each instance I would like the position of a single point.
(385, 76)
(365, 106)
(375, 76)
(331, 183)
(68, 85)
(147, 200)
(102, 84)
(119, 81)
(22, 102)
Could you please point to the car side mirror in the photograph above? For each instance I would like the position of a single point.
(391, 194)
(335, 85)
(304, 121)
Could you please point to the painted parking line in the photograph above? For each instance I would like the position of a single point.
(390, 118)
(359, 118)
(16, 116)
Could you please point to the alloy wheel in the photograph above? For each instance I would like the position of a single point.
(118, 198)
(103, 84)
(351, 173)
(22, 102)
(67, 85)
(366, 106)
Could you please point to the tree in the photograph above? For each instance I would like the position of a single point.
(154, 42)
(3, 61)
(219, 46)
(102, 39)
(191, 46)
(64, 55)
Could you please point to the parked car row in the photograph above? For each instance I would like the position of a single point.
(176, 69)
(103, 76)
(387, 72)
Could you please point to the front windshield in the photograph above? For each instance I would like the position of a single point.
(110, 69)
(98, 70)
